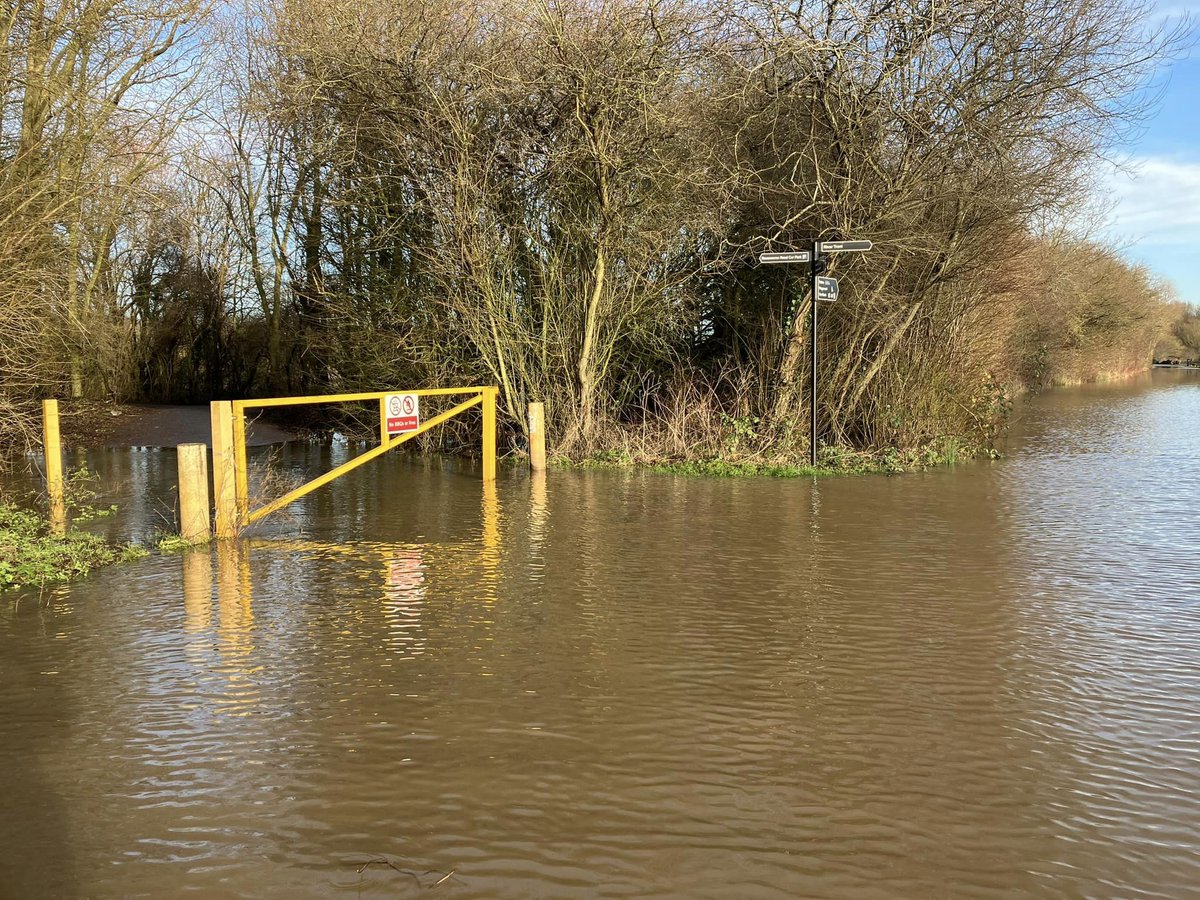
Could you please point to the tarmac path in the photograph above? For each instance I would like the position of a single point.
(169, 426)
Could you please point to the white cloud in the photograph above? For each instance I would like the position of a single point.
(1156, 202)
(1175, 10)
(1174, 14)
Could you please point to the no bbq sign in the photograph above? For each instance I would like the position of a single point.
(403, 413)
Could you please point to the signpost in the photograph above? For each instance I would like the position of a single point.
(821, 289)
(843, 246)
(797, 256)
(402, 413)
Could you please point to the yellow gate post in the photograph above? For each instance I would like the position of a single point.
(52, 447)
(224, 463)
(489, 433)
(241, 479)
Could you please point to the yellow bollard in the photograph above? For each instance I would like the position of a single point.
(193, 492)
(489, 433)
(537, 437)
(224, 466)
(52, 447)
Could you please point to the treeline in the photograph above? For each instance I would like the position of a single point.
(1182, 341)
(567, 199)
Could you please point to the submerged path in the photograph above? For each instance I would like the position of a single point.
(169, 426)
(978, 681)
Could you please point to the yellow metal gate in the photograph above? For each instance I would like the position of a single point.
(230, 477)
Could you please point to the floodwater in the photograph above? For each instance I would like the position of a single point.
(977, 682)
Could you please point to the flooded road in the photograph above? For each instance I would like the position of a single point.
(978, 682)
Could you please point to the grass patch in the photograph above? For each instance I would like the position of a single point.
(705, 468)
(176, 543)
(30, 556)
(720, 468)
(833, 461)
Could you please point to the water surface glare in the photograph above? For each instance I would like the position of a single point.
(978, 682)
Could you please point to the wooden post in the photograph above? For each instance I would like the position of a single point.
(193, 492)
(52, 447)
(537, 437)
(224, 475)
(489, 433)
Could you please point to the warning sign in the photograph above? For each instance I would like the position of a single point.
(403, 413)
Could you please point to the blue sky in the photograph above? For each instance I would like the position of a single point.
(1155, 195)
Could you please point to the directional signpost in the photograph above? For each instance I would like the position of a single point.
(798, 256)
(822, 289)
(843, 246)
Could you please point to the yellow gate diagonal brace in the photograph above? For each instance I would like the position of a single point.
(366, 457)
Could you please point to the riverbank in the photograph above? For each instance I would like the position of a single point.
(735, 448)
(93, 425)
(1103, 376)
(833, 461)
(32, 556)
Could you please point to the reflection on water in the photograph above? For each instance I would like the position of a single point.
(978, 682)
(197, 591)
(403, 598)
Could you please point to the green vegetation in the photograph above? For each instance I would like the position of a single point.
(834, 461)
(175, 543)
(1182, 343)
(567, 199)
(79, 492)
(1186, 330)
(30, 556)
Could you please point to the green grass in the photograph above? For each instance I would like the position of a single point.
(720, 468)
(30, 556)
(833, 461)
(176, 543)
(712, 468)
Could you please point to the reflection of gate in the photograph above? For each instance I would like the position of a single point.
(230, 479)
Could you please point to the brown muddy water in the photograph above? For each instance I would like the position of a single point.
(977, 682)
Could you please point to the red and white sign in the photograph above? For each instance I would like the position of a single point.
(403, 413)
